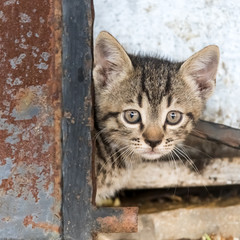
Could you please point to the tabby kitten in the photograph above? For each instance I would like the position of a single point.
(144, 106)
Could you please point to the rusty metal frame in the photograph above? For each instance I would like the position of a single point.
(81, 219)
(30, 119)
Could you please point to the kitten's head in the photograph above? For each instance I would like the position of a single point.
(145, 104)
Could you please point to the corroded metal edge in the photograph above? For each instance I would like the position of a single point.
(116, 220)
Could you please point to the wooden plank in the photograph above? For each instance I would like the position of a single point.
(218, 133)
(218, 171)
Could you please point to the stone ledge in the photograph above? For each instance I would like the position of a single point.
(186, 223)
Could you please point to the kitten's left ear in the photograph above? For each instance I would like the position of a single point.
(111, 62)
(200, 70)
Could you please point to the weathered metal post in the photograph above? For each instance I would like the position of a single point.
(30, 115)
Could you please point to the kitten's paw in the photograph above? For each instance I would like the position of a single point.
(108, 202)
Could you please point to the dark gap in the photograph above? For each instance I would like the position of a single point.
(156, 200)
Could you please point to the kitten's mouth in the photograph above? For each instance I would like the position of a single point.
(151, 155)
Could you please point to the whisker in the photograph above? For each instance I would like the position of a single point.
(99, 132)
(122, 151)
(195, 149)
(128, 156)
(179, 158)
(170, 159)
(175, 167)
(190, 161)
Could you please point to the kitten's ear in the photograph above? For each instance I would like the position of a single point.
(111, 62)
(200, 70)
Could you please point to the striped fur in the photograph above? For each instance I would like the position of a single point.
(153, 87)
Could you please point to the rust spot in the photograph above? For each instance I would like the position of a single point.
(125, 222)
(218, 237)
(2, 161)
(28, 220)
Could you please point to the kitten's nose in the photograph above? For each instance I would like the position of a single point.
(152, 144)
(153, 136)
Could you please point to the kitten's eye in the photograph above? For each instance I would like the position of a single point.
(174, 117)
(132, 116)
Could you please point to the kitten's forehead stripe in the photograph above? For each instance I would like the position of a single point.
(168, 83)
(169, 101)
(143, 81)
(139, 99)
(110, 115)
(155, 77)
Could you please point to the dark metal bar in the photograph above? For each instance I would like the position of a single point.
(80, 217)
(218, 133)
(76, 124)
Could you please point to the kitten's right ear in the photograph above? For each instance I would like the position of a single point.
(111, 62)
(200, 70)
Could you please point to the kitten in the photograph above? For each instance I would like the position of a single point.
(144, 106)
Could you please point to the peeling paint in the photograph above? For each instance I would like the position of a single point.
(41, 20)
(29, 34)
(29, 113)
(46, 147)
(15, 82)
(2, 16)
(24, 18)
(45, 56)
(28, 220)
(12, 139)
(9, 2)
(5, 168)
(43, 66)
(17, 60)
